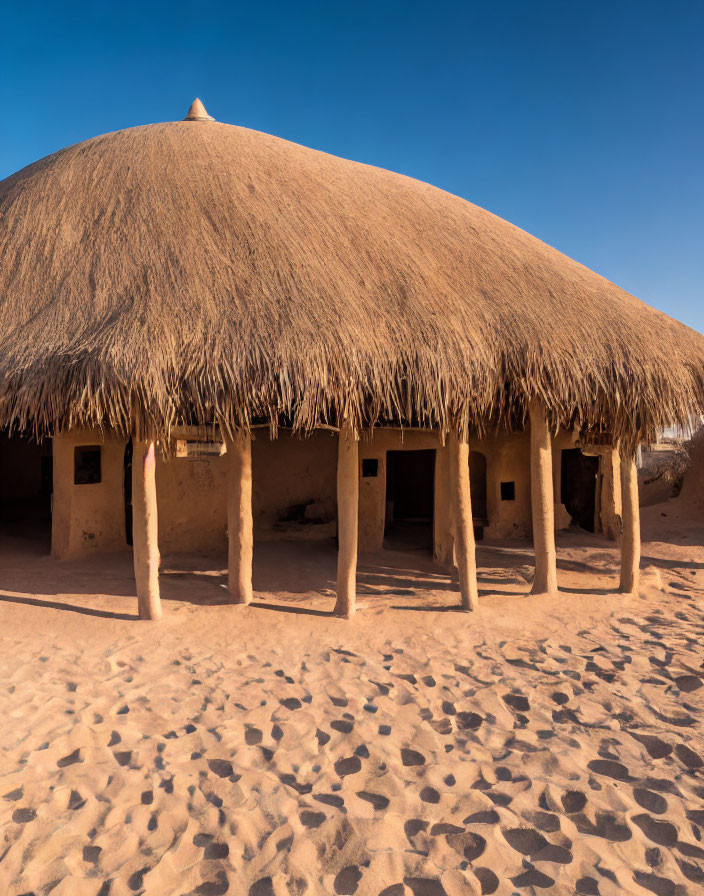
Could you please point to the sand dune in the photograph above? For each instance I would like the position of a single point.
(537, 746)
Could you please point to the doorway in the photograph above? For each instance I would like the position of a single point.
(410, 500)
(477, 488)
(127, 491)
(578, 487)
(26, 484)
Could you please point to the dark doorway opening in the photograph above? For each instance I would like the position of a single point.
(26, 484)
(578, 487)
(127, 489)
(477, 488)
(410, 499)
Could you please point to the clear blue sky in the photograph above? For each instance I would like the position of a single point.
(582, 122)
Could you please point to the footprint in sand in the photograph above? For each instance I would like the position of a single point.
(488, 881)
(412, 757)
(348, 766)
(91, 854)
(661, 886)
(330, 799)
(413, 827)
(652, 802)
(467, 843)
(425, 886)
(469, 721)
(486, 816)
(221, 767)
(525, 840)
(688, 683)
(517, 702)
(661, 832)
(75, 801)
(688, 757)
(342, 725)
(610, 768)
(442, 828)
(291, 703)
(573, 801)
(607, 826)
(655, 747)
(71, 759)
(310, 819)
(559, 855)
(533, 878)
(201, 840)
(545, 821)
(24, 815)
(587, 886)
(378, 801)
(216, 850)
(347, 880)
(252, 735)
(289, 780)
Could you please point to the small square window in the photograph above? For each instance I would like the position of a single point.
(508, 491)
(370, 467)
(86, 465)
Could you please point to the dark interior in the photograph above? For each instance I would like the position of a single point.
(477, 485)
(26, 482)
(128, 492)
(578, 487)
(410, 499)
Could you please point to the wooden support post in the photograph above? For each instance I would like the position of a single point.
(542, 501)
(240, 538)
(463, 525)
(630, 537)
(145, 529)
(347, 510)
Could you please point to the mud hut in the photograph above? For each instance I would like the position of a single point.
(224, 336)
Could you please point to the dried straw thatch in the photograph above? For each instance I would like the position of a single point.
(189, 271)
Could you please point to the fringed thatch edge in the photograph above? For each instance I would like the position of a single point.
(633, 406)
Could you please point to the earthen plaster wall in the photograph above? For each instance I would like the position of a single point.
(192, 503)
(294, 491)
(88, 518)
(294, 477)
(508, 460)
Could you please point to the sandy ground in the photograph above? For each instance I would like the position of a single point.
(551, 745)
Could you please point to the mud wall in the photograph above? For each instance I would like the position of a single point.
(508, 461)
(88, 518)
(192, 503)
(294, 491)
(294, 485)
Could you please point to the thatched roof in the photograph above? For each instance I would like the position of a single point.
(181, 271)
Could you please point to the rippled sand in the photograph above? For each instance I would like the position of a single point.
(537, 746)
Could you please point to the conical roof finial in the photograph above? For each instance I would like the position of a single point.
(197, 112)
